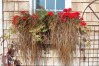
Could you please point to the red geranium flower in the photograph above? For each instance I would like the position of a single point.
(83, 23)
(50, 14)
(62, 16)
(67, 10)
(23, 12)
(60, 13)
(24, 18)
(77, 14)
(35, 16)
(72, 15)
(81, 18)
(15, 20)
(66, 15)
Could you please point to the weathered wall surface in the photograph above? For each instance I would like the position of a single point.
(12, 7)
(91, 53)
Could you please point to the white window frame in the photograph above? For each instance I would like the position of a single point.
(33, 9)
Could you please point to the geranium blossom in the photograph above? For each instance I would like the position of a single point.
(68, 14)
(81, 18)
(35, 16)
(67, 10)
(15, 20)
(50, 13)
(63, 17)
(77, 14)
(74, 15)
(23, 12)
(83, 23)
(24, 18)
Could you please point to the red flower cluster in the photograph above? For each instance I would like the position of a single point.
(67, 10)
(35, 16)
(71, 15)
(81, 18)
(74, 15)
(23, 12)
(15, 20)
(68, 14)
(24, 18)
(83, 23)
(50, 13)
(63, 16)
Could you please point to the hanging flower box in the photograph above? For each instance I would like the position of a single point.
(44, 30)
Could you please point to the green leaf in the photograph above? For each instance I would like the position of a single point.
(44, 30)
(36, 37)
(6, 36)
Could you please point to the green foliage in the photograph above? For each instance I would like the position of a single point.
(6, 36)
(12, 30)
(41, 13)
(34, 32)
